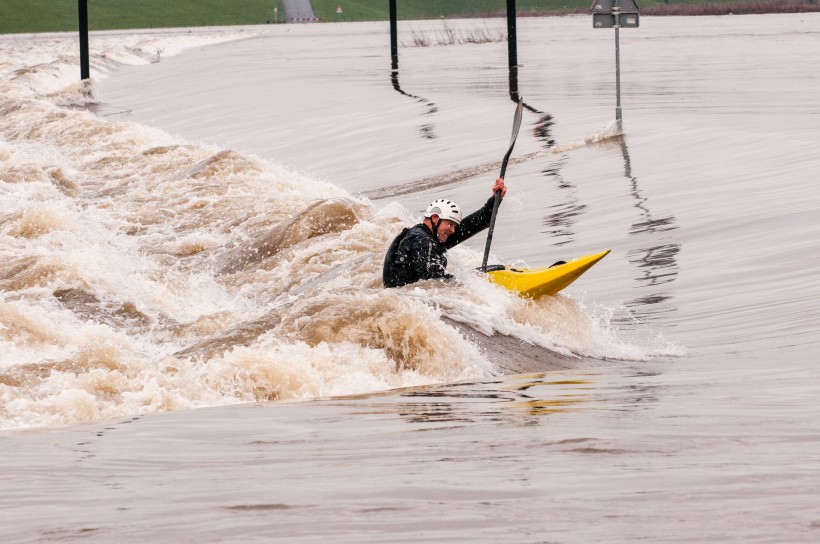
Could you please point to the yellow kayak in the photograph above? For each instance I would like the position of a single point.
(538, 282)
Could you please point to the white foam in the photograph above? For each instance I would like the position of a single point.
(113, 237)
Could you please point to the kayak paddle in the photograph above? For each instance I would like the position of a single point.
(516, 126)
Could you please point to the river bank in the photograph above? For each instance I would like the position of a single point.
(61, 15)
(696, 9)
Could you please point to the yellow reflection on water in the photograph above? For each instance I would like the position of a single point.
(550, 393)
(546, 407)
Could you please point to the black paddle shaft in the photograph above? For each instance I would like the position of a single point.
(516, 125)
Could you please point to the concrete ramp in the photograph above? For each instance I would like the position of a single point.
(298, 11)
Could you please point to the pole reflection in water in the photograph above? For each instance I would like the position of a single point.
(658, 262)
(544, 124)
(560, 221)
(425, 129)
(542, 131)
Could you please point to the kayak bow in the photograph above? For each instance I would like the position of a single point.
(538, 282)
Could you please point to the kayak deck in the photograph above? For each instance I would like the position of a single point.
(539, 282)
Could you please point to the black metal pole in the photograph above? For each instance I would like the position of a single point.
(514, 83)
(616, 10)
(85, 71)
(618, 115)
(394, 39)
(512, 40)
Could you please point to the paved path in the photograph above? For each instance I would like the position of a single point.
(298, 11)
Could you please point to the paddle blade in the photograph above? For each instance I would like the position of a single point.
(516, 125)
(516, 121)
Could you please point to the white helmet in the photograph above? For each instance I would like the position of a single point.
(445, 209)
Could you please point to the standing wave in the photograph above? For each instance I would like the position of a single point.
(141, 272)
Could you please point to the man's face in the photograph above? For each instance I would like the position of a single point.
(445, 229)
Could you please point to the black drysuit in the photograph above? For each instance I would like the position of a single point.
(416, 254)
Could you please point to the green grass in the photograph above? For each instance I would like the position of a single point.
(61, 15)
(379, 10)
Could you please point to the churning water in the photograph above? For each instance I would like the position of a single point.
(203, 225)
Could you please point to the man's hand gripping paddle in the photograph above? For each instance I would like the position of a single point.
(516, 126)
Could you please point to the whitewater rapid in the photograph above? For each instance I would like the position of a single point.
(142, 272)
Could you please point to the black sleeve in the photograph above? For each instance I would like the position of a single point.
(472, 224)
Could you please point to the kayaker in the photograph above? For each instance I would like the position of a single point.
(418, 253)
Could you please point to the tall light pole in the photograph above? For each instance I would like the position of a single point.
(512, 39)
(82, 9)
(394, 39)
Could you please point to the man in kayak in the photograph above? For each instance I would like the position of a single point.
(418, 253)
